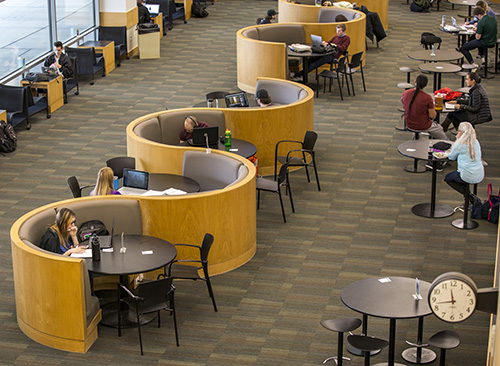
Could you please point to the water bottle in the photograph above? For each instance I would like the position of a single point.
(443, 21)
(429, 151)
(96, 248)
(228, 138)
(432, 50)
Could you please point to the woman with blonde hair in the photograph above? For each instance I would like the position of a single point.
(61, 237)
(466, 150)
(104, 183)
(487, 10)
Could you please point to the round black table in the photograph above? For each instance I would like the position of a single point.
(135, 260)
(221, 103)
(440, 55)
(305, 60)
(418, 149)
(390, 298)
(438, 68)
(238, 146)
(469, 3)
(162, 181)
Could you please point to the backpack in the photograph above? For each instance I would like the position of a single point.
(198, 11)
(490, 206)
(90, 227)
(8, 138)
(428, 39)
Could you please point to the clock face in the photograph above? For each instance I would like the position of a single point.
(452, 300)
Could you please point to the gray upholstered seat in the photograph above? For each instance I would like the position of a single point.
(282, 92)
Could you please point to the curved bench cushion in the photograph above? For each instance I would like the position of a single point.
(149, 129)
(287, 33)
(251, 33)
(211, 171)
(172, 123)
(327, 15)
(242, 173)
(282, 92)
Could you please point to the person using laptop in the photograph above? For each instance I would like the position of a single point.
(262, 98)
(144, 16)
(61, 236)
(271, 15)
(190, 123)
(104, 183)
(59, 61)
(341, 40)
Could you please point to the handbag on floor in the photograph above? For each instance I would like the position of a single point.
(490, 207)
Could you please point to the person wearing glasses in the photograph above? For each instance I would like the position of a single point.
(61, 236)
(190, 123)
(466, 150)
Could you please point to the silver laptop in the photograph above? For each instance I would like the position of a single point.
(154, 9)
(134, 182)
(316, 40)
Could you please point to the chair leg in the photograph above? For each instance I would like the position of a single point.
(281, 203)
(363, 78)
(159, 321)
(340, 88)
(172, 306)
(258, 199)
(305, 167)
(210, 291)
(139, 329)
(289, 189)
(316, 173)
(352, 84)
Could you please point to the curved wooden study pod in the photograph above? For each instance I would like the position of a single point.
(308, 13)
(263, 127)
(257, 58)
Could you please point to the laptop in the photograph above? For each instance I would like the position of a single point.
(316, 40)
(236, 100)
(50, 71)
(199, 138)
(154, 9)
(134, 181)
(106, 241)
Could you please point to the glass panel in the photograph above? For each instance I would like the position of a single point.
(24, 26)
(73, 15)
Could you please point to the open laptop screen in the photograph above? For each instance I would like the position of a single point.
(199, 138)
(153, 8)
(236, 100)
(135, 179)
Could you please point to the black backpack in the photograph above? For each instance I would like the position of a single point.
(428, 39)
(88, 228)
(198, 11)
(8, 138)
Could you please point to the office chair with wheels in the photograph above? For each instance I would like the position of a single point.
(177, 270)
(119, 163)
(263, 184)
(75, 187)
(150, 297)
(307, 147)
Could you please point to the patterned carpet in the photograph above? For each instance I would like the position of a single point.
(360, 225)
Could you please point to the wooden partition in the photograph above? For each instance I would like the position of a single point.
(263, 127)
(301, 13)
(257, 58)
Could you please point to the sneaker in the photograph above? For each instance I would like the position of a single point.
(484, 163)
(439, 166)
(479, 56)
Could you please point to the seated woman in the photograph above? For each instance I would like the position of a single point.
(61, 236)
(475, 110)
(190, 123)
(467, 152)
(104, 184)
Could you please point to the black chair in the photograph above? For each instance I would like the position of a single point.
(88, 64)
(446, 339)
(71, 83)
(267, 185)
(340, 326)
(339, 72)
(171, 11)
(177, 270)
(13, 100)
(35, 104)
(367, 345)
(307, 147)
(119, 163)
(117, 35)
(353, 66)
(150, 297)
(216, 95)
(75, 187)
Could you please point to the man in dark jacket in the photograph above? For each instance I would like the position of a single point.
(475, 110)
(144, 16)
(60, 61)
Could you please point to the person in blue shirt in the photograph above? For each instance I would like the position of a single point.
(489, 11)
(466, 150)
(61, 237)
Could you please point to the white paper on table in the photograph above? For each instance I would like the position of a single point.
(86, 254)
(152, 193)
(449, 106)
(173, 192)
(384, 280)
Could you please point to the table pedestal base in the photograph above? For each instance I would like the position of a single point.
(387, 364)
(440, 211)
(459, 224)
(129, 317)
(415, 168)
(357, 352)
(410, 355)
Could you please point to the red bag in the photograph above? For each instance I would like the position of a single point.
(448, 94)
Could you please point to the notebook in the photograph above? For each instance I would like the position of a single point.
(199, 138)
(316, 40)
(134, 182)
(154, 9)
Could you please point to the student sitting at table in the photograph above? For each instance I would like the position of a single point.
(104, 183)
(59, 61)
(61, 237)
(475, 110)
(262, 98)
(466, 150)
(190, 123)
(341, 40)
(487, 10)
(420, 111)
